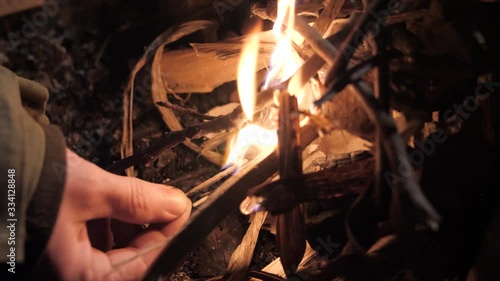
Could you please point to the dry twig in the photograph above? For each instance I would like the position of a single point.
(211, 181)
(183, 110)
(242, 256)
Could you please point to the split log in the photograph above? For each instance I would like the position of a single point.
(211, 181)
(209, 65)
(344, 174)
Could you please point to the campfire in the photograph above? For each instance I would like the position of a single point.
(334, 113)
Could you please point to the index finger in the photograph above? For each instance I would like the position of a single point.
(132, 262)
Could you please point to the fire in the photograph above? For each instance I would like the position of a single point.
(250, 142)
(253, 139)
(284, 61)
(247, 85)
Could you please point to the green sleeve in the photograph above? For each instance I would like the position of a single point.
(33, 155)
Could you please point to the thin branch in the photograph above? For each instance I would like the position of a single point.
(320, 46)
(325, 50)
(355, 74)
(290, 226)
(188, 111)
(173, 138)
(211, 181)
(350, 44)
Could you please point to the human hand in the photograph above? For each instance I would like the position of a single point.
(92, 193)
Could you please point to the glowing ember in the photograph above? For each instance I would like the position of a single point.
(253, 139)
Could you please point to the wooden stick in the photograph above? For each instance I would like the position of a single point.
(325, 51)
(212, 180)
(290, 226)
(320, 46)
(311, 67)
(183, 110)
(242, 256)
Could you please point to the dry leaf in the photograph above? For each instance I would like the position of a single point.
(169, 36)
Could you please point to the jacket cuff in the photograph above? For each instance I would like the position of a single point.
(44, 205)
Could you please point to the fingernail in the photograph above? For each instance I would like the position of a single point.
(177, 202)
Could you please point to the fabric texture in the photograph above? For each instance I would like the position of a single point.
(35, 151)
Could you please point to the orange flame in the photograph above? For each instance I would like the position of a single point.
(247, 68)
(284, 61)
(253, 139)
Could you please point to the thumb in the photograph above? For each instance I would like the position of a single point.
(136, 201)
